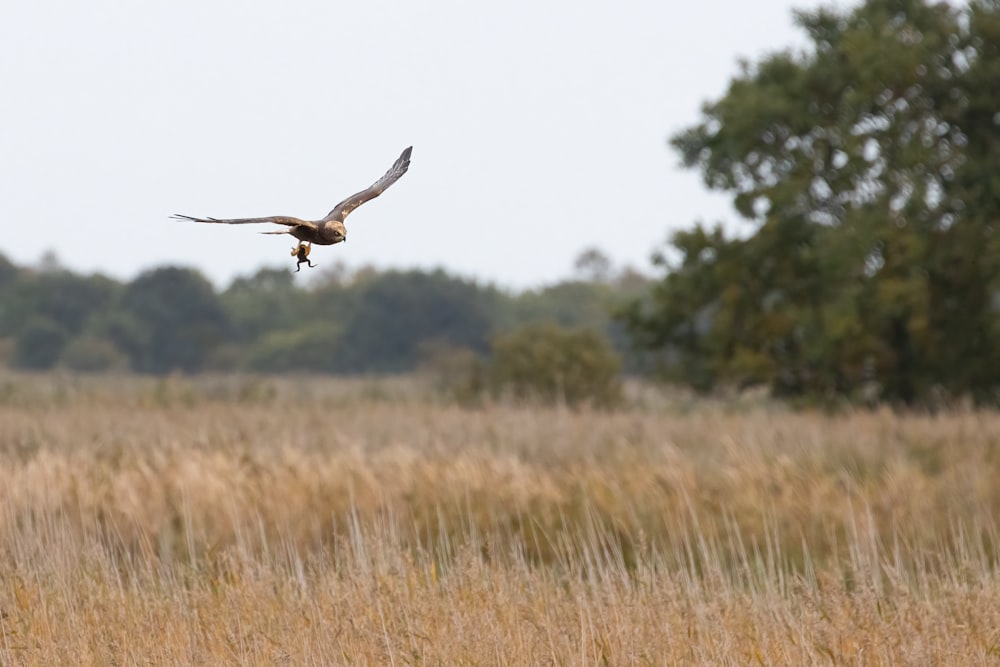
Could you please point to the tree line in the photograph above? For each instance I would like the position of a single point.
(172, 319)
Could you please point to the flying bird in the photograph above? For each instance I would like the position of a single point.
(327, 230)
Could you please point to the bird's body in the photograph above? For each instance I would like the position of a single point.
(329, 229)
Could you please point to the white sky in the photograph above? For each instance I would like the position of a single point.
(539, 128)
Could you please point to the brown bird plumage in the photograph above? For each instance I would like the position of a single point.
(327, 230)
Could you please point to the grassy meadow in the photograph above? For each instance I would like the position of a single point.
(243, 521)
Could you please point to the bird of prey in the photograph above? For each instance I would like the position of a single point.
(325, 231)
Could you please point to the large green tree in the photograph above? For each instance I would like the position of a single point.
(865, 166)
(394, 316)
(169, 319)
(65, 298)
(42, 311)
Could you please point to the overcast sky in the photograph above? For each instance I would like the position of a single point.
(539, 128)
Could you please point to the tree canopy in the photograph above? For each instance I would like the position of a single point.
(865, 167)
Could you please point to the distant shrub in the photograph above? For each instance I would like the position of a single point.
(457, 373)
(309, 348)
(38, 345)
(6, 350)
(89, 354)
(555, 365)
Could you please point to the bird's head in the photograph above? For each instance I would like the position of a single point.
(338, 232)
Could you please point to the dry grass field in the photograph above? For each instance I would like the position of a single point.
(264, 522)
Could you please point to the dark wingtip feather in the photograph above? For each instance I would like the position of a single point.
(181, 216)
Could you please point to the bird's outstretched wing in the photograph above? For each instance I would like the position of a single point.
(276, 219)
(399, 167)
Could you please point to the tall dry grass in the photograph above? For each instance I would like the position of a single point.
(261, 522)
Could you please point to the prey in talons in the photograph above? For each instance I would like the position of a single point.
(301, 252)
